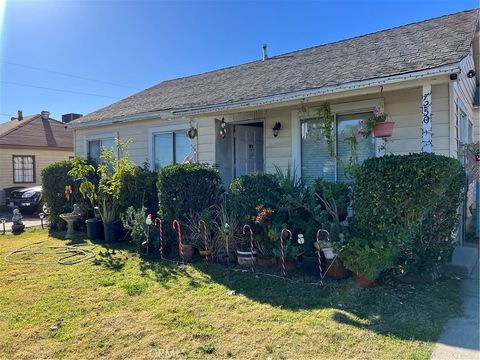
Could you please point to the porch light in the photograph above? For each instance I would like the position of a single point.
(192, 133)
(276, 128)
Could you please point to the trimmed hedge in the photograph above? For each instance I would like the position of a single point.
(139, 189)
(409, 202)
(54, 179)
(249, 191)
(185, 189)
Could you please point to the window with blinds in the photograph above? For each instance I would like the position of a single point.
(23, 169)
(316, 160)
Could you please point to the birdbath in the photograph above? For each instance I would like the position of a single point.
(70, 219)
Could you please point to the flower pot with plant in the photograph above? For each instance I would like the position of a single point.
(367, 259)
(263, 228)
(377, 124)
(226, 226)
(291, 251)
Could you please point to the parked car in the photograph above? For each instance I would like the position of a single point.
(28, 200)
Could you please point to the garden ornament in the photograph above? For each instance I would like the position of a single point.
(159, 222)
(301, 242)
(17, 226)
(282, 250)
(176, 225)
(41, 216)
(246, 226)
(148, 222)
(201, 223)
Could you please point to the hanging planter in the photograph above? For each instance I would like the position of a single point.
(383, 129)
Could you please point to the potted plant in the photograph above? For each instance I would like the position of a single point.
(291, 251)
(87, 177)
(226, 226)
(366, 260)
(265, 234)
(377, 124)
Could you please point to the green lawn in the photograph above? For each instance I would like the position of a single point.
(119, 306)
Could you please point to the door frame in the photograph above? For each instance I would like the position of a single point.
(247, 122)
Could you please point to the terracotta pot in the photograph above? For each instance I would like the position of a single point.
(187, 252)
(363, 281)
(337, 270)
(264, 261)
(204, 253)
(383, 129)
(244, 257)
(290, 264)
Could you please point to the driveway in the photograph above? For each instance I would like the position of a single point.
(460, 337)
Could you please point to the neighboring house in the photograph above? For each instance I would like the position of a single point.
(27, 145)
(424, 75)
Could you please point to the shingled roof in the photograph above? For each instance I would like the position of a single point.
(33, 131)
(415, 47)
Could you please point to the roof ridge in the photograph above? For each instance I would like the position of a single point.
(310, 47)
(21, 124)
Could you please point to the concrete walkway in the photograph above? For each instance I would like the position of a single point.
(460, 337)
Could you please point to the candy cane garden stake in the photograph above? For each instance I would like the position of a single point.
(176, 225)
(246, 226)
(282, 250)
(201, 223)
(159, 223)
(319, 249)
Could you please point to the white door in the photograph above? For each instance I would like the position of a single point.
(248, 149)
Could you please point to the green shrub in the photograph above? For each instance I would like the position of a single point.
(249, 191)
(139, 189)
(54, 179)
(367, 258)
(186, 189)
(409, 202)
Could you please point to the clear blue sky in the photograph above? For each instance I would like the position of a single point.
(139, 44)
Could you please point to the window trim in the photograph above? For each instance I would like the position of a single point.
(337, 109)
(96, 137)
(34, 178)
(163, 129)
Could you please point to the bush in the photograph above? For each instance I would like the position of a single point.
(54, 180)
(186, 189)
(249, 191)
(409, 202)
(139, 189)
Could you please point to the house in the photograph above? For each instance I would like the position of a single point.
(27, 145)
(259, 115)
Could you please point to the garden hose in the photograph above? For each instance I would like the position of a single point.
(66, 252)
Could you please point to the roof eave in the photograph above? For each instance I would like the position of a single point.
(267, 100)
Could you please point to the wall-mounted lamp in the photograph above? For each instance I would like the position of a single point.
(192, 133)
(276, 128)
(471, 74)
(223, 128)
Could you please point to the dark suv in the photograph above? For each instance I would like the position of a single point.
(27, 200)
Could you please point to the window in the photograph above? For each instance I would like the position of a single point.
(170, 148)
(317, 162)
(94, 148)
(23, 169)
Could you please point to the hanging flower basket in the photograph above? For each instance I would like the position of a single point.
(383, 129)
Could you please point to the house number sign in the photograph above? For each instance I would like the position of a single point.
(427, 119)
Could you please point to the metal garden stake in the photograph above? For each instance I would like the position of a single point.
(301, 242)
(148, 221)
(246, 226)
(282, 250)
(176, 225)
(3, 221)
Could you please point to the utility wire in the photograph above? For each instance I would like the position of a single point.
(68, 75)
(58, 90)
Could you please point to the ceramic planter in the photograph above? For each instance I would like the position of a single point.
(264, 260)
(336, 269)
(383, 129)
(244, 257)
(363, 281)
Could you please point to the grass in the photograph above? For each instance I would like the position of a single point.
(119, 306)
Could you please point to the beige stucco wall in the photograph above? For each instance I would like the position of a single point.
(42, 159)
(404, 107)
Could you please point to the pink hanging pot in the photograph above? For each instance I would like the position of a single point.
(383, 129)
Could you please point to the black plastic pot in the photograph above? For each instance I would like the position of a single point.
(94, 228)
(225, 258)
(311, 265)
(112, 231)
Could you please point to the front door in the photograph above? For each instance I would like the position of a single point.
(248, 149)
